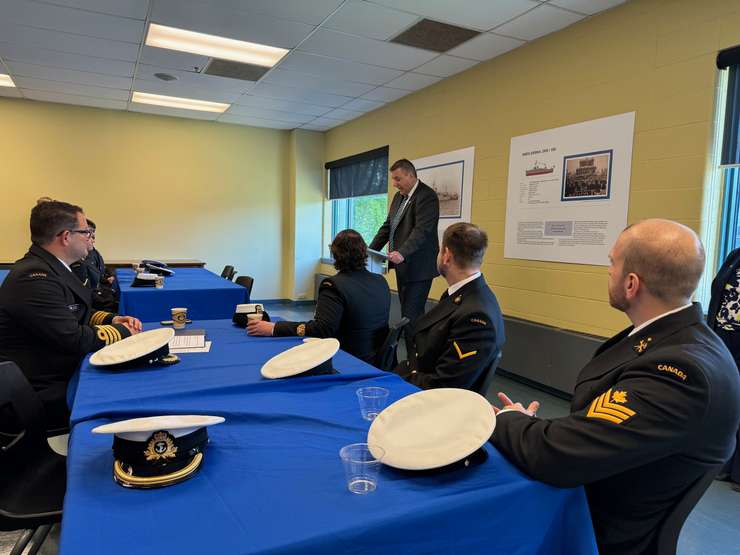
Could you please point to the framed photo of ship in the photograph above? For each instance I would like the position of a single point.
(587, 176)
(447, 181)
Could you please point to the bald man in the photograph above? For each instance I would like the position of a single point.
(656, 408)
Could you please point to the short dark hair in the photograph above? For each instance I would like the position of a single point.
(349, 251)
(50, 218)
(91, 224)
(404, 165)
(467, 243)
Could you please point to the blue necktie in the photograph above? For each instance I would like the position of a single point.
(394, 222)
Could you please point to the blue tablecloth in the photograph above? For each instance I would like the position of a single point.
(203, 293)
(272, 480)
(3, 273)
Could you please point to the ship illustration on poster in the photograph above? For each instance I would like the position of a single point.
(539, 169)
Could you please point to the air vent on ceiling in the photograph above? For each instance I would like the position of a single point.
(435, 36)
(235, 70)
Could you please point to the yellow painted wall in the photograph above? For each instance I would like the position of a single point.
(157, 187)
(655, 57)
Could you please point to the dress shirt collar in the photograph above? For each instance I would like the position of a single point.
(646, 324)
(63, 263)
(411, 192)
(456, 286)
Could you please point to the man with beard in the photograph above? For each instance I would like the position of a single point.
(656, 408)
(456, 341)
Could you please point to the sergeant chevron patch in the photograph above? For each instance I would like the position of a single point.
(461, 354)
(606, 409)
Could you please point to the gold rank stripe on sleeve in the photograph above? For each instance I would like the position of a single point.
(461, 354)
(109, 334)
(98, 317)
(602, 408)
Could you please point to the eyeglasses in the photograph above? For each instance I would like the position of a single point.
(88, 233)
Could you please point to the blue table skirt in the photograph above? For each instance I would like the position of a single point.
(3, 274)
(272, 480)
(206, 295)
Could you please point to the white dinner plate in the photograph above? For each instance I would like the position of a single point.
(432, 428)
(132, 347)
(301, 358)
(139, 429)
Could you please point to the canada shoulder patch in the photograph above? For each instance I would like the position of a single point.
(38, 275)
(680, 374)
(479, 321)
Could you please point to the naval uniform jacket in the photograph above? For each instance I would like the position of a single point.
(724, 277)
(92, 272)
(353, 306)
(415, 236)
(456, 340)
(47, 324)
(651, 413)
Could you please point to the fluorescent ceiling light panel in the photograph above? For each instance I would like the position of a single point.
(161, 36)
(6, 81)
(176, 102)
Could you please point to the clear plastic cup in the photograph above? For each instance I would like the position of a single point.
(372, 401)
(361, 467)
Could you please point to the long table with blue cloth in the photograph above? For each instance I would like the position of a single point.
(3, 274)
(272, 480)
(206, 295)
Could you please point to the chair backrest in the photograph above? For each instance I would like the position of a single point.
(386, 357)
(483, 383)
(247, 282)
(228, 273)
(667, 539)
(21, 413)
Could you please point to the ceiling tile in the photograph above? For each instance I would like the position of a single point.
(277, 115)
(474, 14)
(370, 20)
(216, 20)
(313, 12)
(334, 68)
(75, 99)
(331, 122)
(364, 50)
(362, 105)
(72, 88)
(68, 75)
(40, 56)
(172, 59)
(135, 9)
(297, 79)
(11, 92)
(486, 46)
(538, 22)
(192, 79)
(301, 95)
(23, 35)
(256, 122)
(174, 112)
(385, 94)
(313, 127)
(590, 7)
(283, 105)
(184, 90)
(413, 81)
(444, 66)
(69, 20)
(344, 115)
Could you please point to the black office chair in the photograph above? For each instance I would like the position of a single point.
(667, 539)
(386, 357)
(483, 383)
(32, 477)
(228, 273)
(247, 282)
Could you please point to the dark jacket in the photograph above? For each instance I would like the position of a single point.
(47, 324)
(416, 235)
(651, 413)
(456, 340)
(353, 307)
(92, 272)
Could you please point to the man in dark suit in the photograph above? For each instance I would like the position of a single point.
(723, 317)
(353, 305)
(411, 233)
(455, 342)
(656, 408)
(47, 323)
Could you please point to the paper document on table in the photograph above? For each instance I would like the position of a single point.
(187, 341)
(181, 350)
